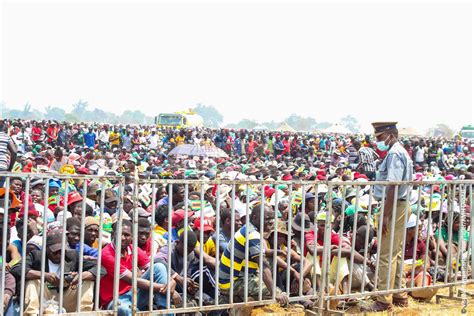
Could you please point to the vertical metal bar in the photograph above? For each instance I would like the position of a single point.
(185, 255)
(81, 248)
(152, 246)
(218, 233)
(99, 255)
(63, 250)
(416, 240)
(275, 241)
(170, 211)
(341, 228)
(450, 234)
(260, 264)
(460, 232)
(326, 249)
(440, 225)
(288, 257)
(118, 253)
(471, 230)
(315, 232)
(232, 243)
(246, 272)
(6, 227)
(366, 242)
(303, 212)
(201, 245)
(379, 239)
(392, 233)
(43, 249)
(427, 246)
(24, 241)
(354, 231)
(135, 246)
(407, 204)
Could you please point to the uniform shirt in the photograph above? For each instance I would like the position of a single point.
(397, 166)
(239, 262)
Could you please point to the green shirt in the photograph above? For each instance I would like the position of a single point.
(455, 235)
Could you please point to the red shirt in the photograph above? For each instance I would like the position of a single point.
(35, 130)
(53, 133)
(286, 145)
(108, 262)
(310, 238)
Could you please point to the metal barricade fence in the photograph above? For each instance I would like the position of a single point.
(254, 243)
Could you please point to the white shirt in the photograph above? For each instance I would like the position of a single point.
(104, 137)
(420, 154)
(54, 268)
(154, 141)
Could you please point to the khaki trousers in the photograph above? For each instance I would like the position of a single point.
(393, 280)
(32, 297)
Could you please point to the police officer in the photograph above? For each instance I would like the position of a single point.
(397, 166)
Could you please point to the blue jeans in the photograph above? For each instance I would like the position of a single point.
(160, 275)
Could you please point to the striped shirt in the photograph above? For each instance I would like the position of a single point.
(239, 262)
(4, 152)
(367, 159)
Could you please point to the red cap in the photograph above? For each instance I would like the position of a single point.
(321, 177)
(73, 197)
(82, 170)
(358, 175)
(287, 177)
(31, 211)
(207, 226)
(269, 192)
(179, 215)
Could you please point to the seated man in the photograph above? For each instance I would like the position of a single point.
(73, 233)
(160, 276)
(238, 262)
(52, 276)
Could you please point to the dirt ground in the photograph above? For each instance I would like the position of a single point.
(445, 307)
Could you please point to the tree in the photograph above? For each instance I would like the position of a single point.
(210, 115)
(301, 123)
(132, 117)
(79, 109)
(350, 123)
(54, 113)
(243, 124)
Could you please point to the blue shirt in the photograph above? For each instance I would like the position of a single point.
(89, 139)
(88, 250)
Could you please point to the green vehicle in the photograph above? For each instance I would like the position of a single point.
(467, 132)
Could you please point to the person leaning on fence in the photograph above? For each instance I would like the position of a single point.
(255, 249)
(396, 166)
(52, 276)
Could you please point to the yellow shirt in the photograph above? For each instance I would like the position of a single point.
(209, 247)
(114, 138)
(179, 140)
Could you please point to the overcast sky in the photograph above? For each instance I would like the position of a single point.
(404, 61)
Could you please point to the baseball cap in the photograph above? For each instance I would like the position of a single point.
(54, 240)
(207, 225)
(179, 216)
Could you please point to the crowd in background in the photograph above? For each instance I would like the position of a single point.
(124, 152)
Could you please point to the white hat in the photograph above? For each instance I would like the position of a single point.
(412, 221)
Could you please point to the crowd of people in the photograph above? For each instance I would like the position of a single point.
(290, 210)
